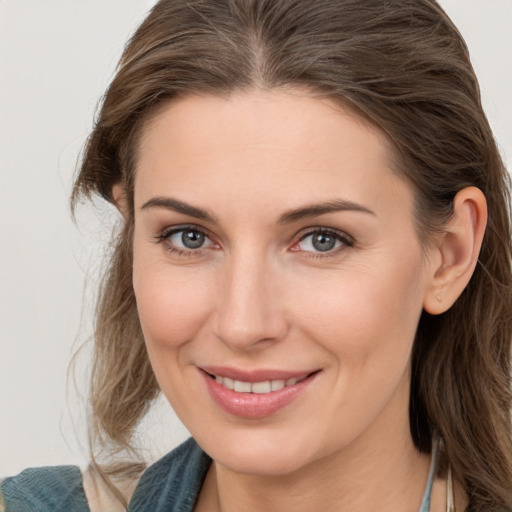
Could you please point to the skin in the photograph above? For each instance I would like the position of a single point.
(258, 295)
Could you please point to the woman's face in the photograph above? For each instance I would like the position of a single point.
(275, 253)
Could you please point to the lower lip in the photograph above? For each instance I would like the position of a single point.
(255, 405)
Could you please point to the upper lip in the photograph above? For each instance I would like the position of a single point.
(255, 375)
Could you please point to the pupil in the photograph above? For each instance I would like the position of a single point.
(323, 242)
(192, 239)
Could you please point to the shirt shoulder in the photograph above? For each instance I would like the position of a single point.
(46, 489)
(173, 482)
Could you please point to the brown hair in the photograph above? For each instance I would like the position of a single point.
(403, 65)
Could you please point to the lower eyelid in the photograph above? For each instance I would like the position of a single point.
(187, 253)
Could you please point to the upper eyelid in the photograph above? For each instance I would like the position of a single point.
(182, 227)
(320, 229)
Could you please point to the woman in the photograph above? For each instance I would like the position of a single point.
(304, 268)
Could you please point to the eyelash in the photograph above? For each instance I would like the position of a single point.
(165, 235)
(345, 241)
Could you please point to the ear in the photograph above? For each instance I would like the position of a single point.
(119, 199)
(455, 254)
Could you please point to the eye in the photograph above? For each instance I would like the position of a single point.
(188, 238)
(323, 241)
(184, 240)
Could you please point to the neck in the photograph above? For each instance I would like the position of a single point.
(371, 474)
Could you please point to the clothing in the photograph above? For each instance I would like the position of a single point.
(170, 485)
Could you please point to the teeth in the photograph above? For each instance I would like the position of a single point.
(277, 385)
(261, 387)
(256, 387)
(242, 387)
(229, 383)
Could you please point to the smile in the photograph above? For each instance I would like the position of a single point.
(264, 387)
(255, 395)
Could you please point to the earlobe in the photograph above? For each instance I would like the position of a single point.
(456, 251)
(119, 199)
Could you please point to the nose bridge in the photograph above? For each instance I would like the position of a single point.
(249, 309)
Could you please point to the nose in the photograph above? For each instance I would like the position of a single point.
(249, 313)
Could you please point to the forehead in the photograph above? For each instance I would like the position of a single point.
(284, 145)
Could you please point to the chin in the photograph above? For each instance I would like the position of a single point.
(259, 454)
(261, 462)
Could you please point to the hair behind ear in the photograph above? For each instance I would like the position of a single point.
(461, 384)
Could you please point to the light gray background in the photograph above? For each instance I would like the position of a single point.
(56, 58)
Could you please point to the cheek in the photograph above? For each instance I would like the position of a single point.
(367, 323)
(367, 317)
(172, 306)
(172, 309)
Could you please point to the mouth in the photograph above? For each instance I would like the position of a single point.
(255, 395)
(263, 387)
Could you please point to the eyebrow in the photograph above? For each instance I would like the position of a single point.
(304, 212)
(175, 205)
(314, 210)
